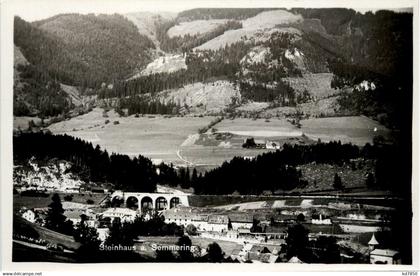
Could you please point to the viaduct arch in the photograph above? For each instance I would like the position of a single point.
(147, 201)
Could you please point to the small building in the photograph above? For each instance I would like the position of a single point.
(241, 220)
(29, 215)
(385, 256)
(260, 144)
(124, 214)
(218, 223)
(321, 220)
(272, 145)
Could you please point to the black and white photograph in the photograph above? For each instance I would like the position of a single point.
(221, 134)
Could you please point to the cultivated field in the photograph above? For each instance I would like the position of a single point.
(156, 137)
(259, 128)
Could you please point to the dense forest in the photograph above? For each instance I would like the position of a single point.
(38, 94)
(145, 105)
(83, 50)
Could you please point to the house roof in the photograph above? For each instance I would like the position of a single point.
(295, 260)
(241, 217)
(120, 211)
(268, 258)
(218, 219)
(384, 252)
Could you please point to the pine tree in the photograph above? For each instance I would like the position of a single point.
(338, 184)
(370, 180)
(55, 218)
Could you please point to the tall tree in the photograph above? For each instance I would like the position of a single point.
(215, 253)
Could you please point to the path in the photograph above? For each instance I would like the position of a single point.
(178, 153)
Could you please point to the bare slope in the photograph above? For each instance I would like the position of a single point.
(206, 98)
(146, 23)
(195, 27)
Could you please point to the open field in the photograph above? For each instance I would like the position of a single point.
(155, 137)
(22, 122)
(357, 130)
(175, 139)
(259, 127)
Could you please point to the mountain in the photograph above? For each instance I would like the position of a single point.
(300, 58)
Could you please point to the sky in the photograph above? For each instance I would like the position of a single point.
(32, 10)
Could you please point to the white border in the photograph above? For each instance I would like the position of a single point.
(9, 8)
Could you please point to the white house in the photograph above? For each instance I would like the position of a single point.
(321, 220)
(385, 256)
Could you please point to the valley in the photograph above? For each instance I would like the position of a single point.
(166, 138)
(280, 134)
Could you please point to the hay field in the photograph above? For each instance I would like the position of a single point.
(154, 136)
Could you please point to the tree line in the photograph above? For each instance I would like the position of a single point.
(271, 171)
(91, 163)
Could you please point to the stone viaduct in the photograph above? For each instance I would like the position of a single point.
(145, 201)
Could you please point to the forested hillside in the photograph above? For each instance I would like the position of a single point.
(84, 50)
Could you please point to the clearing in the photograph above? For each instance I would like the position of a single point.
(195, 27)
(259, 27)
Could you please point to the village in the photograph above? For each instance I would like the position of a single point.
(248, 231)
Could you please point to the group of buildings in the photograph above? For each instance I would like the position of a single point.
(258, 234)
(53, 177)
